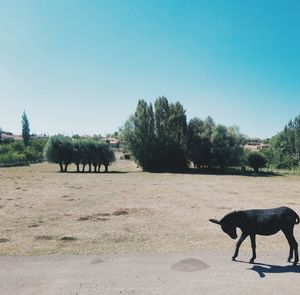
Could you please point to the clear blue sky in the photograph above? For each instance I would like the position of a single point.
(81, 66)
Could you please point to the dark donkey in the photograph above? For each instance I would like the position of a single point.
(261, 222)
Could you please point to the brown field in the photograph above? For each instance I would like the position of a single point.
(46, 212)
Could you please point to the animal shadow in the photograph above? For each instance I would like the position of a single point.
(262, 269)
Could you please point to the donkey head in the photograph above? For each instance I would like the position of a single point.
(227, 227)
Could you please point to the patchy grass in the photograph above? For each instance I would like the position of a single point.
(47, 212)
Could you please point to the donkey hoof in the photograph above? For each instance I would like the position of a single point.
(233, 258)
(251, 260)
(289, 260)
(295, 263)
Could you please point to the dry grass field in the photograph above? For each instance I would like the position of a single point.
(127, 211)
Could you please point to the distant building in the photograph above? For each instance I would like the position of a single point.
(40, 136)
(255, 145)
(10, 136)
(113, 142)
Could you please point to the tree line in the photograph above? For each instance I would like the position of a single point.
(160, 139)
(65, 150)
(284, 151)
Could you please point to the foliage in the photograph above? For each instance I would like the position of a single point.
(53, 150)
(108, 156)
(12, 157)
(171, 130)
(64, 150)
(284, 150)
(199, 141)
(256, 160)
(25, 129)
(213, 145)
(226, 147)
(157, 138)
(161, 140)
(16, 153)
(138, 135)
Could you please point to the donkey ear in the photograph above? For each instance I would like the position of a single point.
(215, 221)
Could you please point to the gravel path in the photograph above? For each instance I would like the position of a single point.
(176, 273)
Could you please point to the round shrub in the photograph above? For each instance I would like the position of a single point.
(256, 161)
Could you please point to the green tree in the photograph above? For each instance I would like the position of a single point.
(58, 149)
(96, 154)
(284, 150)
(157, 138)
(108, 156)
(177, 137)
(84, 155)
(78, 152)
(226, 147)
(139, 137)
(25, 129)
(256, 161)
(171, 135)
(296, 137)
(199, 141)
(34, 151)
(13, 154)
(92, 152)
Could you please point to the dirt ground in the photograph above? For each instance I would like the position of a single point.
(43, 211)
(191, 273)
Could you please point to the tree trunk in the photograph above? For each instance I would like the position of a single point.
(90, 167)
(106, 167)
(83, 167)
(77, 165)
(61, 167)
(99, 167)
(66, 168)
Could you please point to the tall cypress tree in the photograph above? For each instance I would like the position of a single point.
(25, 129)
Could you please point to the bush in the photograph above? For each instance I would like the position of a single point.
(58, 150)
(12, 158)
(65, 150)
(256, 161)
(15, 152)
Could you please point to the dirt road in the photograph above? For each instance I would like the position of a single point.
(177, 273)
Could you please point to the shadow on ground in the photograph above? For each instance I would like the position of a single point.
(263, 268)
(228, 171)
(93, 172)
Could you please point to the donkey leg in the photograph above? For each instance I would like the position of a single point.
(238, 244)
(295, 246)
(253, 245)
(288, 236)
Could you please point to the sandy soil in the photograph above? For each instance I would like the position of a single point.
(127, 211)
(137, 233)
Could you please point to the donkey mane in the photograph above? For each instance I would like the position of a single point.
(231, 217)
